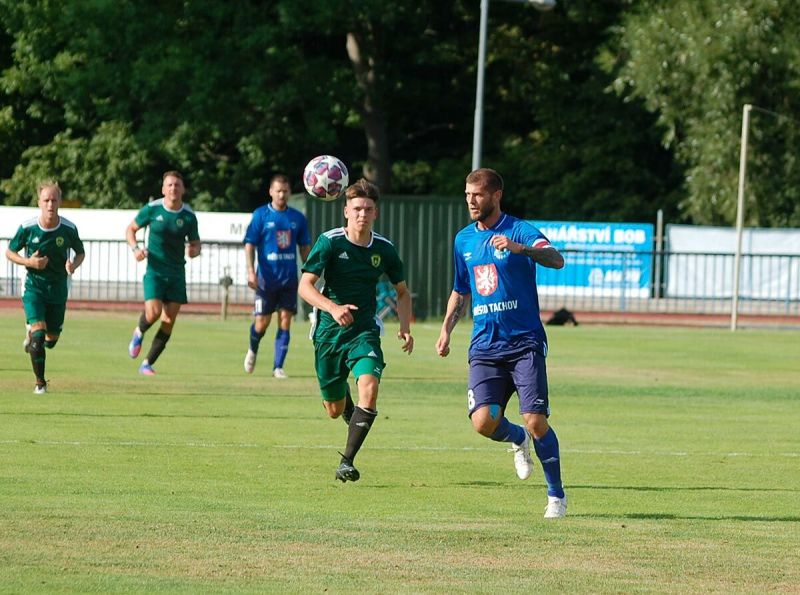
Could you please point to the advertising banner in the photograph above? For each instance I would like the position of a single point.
(602, 259)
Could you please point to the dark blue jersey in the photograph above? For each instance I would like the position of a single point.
(276, 235)
(505, 302)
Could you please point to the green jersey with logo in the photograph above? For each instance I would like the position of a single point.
(169, 232)
(56, 244)
(351, 274)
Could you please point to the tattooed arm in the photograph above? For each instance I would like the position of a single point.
(456, 309)
(545, 255)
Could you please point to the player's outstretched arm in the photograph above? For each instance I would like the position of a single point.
(456, 307)
(404, 310)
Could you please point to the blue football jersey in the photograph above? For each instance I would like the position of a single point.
(276, 235)
(505, 302)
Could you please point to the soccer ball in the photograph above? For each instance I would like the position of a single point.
(325, 177)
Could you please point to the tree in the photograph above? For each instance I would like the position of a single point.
(695, 63)
(572, 148)
(216, 90)
(230, 93)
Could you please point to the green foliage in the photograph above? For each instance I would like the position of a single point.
(112, 152)
(230, 93)
(695, 64)
(211, 89)
(206, 479)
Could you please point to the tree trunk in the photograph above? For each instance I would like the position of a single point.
(377, 168)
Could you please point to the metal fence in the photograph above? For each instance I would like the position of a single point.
(680, 283)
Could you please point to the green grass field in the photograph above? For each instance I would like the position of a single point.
(680, 451)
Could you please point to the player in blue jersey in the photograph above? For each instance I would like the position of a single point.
(275, 233)
(495, 260)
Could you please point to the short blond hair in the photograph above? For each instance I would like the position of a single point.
(48, 184)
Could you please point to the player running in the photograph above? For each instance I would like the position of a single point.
(48, 240)
(347, 336)
(276, 232)
(172, 224)
(495, 265)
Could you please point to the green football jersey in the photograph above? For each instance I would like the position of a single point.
(351, 275)
(56, 244)
(169, 232)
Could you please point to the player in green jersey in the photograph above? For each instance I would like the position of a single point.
(172, 224)
(347, 336)
(49, 241)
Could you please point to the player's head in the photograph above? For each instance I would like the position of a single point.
(363, 189)
(172, 173)
(172, 186)
(487, 178)
(279, 191)
(51, 186)
(361, 208)
(484, 189)
(48, 194)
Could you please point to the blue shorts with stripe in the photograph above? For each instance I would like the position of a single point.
(492, 381)
(276, 297)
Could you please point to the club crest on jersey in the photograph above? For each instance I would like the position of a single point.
(284, 238)
(179, 223)
(59, 241)
(501, 254)
(376, 260)
(485, 278)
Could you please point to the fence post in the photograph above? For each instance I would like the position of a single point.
(225, 281)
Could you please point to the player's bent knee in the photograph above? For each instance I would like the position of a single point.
(36, 346)
(367, 383)
(261, 323)
(50, 342)
(537, 425)
(485, 420)
(334, 409)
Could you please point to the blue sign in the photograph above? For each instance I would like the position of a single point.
(601, 258)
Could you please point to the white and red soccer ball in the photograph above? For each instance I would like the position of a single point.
(325, 177)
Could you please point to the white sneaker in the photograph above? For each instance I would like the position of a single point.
(279, 373)
(250, 361)
(522, 457)
(556, 507)
(40, 389)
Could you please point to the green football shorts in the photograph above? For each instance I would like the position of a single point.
(37, 309)
(167, 288)
(335, 361)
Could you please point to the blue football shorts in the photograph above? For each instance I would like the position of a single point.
(493, 381)
(271, 298)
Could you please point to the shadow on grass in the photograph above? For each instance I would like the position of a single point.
(658, 516)
(681, 488)
(143, 415)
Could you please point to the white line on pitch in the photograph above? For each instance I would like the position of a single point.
(596, 451)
